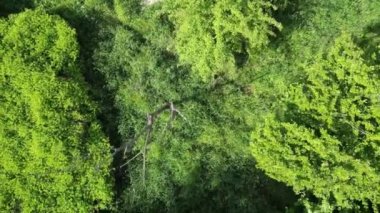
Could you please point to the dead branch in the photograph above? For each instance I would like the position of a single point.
(128, 145)
(151, 118)
(130, 160)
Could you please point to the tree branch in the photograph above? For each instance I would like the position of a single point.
(134, 157)
(128, 145)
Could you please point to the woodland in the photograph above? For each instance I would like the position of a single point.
(190, 106)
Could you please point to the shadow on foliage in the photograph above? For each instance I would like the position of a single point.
(370, 43)
(11, 6)
(88, 25)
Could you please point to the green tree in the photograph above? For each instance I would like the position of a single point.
(218, 37)
(314, 24)
(127, 9)
(324, 138)
(198, 162)
(55, 157)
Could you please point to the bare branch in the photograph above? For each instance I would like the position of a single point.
(182, 116)
(147, 141)
(128, 145)
(133, 141)
(130, 160)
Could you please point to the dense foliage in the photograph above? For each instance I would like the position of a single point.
(216, 37)
(326, 139)
(194, 159)
(190, 105)
(54, 156)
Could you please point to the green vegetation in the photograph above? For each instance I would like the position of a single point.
(216, 37)
(325, 140)
(190, 106)
(54, 156)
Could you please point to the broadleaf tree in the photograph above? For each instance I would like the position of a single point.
(185, 137)
(324, 138)
(54, 156)
(219, 37)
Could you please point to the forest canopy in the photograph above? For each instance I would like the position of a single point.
(190, 106)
